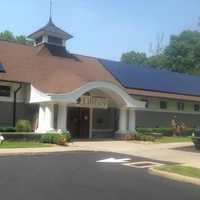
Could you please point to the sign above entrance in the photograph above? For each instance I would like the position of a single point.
(92, 101)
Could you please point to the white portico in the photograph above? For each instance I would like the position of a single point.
(72, 106)
(94, 104)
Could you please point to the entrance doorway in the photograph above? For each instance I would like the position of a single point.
(79, 122)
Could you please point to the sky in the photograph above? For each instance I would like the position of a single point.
(104, 28)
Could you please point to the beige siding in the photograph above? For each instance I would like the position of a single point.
(154, 105)
(22, 95)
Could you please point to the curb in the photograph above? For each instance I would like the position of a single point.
(35, 151)
(175, 177)
(31, 154)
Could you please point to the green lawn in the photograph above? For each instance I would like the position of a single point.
(182, 170)
(174, 139)
(22, 144)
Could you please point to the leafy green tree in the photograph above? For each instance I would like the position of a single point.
(8, 36)
(158, 61)
(181, 55)
(23, 40)
(134, 58)
(183, 52)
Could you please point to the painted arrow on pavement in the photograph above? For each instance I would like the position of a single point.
(114, 160)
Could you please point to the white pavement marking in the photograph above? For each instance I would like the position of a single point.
(143, 164)
(114, 160)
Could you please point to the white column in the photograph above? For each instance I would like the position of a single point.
(123, 121)
(49, 117)
(91, 122)
(41, 118)
(131, 121)
(62, 118)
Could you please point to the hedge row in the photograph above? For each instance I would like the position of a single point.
(143, 137)
(56, 138)
(22, 136)
(163, 131)
(45, 138)
(7, 129)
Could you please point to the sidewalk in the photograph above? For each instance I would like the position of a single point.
(37, 151)
(180, 153)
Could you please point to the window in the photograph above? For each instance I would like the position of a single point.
(163, 105)
(54, 40)
(147, 103)
(196, 107)
(4, 91)
(38, 40)
(180, 106)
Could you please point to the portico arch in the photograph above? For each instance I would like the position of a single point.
(125, 103)
(117, 91)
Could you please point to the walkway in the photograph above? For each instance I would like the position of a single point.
(183, 153)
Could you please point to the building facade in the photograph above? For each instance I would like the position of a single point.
(90, 97)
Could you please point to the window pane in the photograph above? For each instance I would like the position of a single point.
(180, 106)
(38, 40)
(196, 107)
(147, 103)
(4, 91)
(163, 104)
(54, 40)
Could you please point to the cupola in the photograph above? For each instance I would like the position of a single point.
(50, 34)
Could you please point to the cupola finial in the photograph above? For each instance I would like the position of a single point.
(50, 33)
(50, 11)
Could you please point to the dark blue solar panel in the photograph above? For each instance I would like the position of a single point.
(1, 68)
(136, 77)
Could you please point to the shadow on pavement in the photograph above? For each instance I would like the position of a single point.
(188, 149)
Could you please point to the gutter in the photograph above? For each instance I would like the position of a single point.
(15, 104)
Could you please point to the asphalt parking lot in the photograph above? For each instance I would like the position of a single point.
(77, 175)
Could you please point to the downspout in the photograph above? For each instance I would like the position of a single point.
(15, 104)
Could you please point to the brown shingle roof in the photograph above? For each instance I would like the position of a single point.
(49, 74)
(51, 29)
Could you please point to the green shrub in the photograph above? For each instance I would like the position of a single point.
(143, 137)
(7, 129)
(154, 130)
(54, 138)
(67, 135)
(46, 138)
(23, 126)
(163, 131)
(60, 139)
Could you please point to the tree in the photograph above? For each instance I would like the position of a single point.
(181, 55)
(134, 58)
(183, 52)
(159, 46)
(158, 61)
(23, 40)
(8, 36)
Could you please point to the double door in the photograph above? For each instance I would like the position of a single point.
(79, 122)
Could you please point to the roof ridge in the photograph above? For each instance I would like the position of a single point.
(15, 42)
